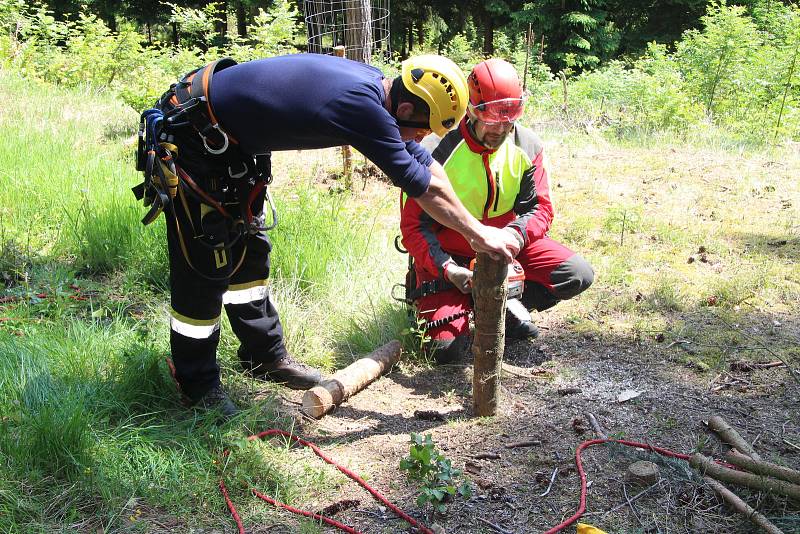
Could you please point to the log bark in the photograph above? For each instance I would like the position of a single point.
(708, 467)
(489, 291)
(321, 399)
(742, 507)
(358, 31)
(730, 436)
(762, 467)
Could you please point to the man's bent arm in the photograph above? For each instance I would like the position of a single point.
(441, 203)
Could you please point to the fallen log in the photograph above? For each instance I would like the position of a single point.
(489, 291)
(762, 467)
(729, 435)
(742, 507)
(321, 399)
(706, 466)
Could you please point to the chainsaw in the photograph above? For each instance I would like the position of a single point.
(515, 278)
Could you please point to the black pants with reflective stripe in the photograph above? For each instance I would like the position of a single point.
(197, 299)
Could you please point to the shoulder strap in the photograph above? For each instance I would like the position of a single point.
(195, 88)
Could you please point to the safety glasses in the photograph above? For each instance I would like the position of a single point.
(496, 111)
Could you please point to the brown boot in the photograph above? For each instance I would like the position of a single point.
(290, 373)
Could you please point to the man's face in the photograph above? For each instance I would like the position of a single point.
(491, 134)
(421, 121)
(416, 134)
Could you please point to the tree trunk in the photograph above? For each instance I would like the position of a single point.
(241, 19)
(358, 31)
(221, 24)
(410, 29)
(489, 291)
(149, 33)
(421, 30)
(175, 37)
(488, 34)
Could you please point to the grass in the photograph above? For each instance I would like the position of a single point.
(92, 432)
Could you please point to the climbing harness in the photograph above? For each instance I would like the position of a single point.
(185, 109)
(411, 292)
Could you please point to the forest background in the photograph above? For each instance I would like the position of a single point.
(673, 67)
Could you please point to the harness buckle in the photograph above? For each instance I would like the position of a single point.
(215, 151)
(238, 175)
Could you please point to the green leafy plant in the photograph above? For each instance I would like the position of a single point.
(417, 333)
(439, 481)
(623, 219)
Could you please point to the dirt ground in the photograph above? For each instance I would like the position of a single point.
(551, 385)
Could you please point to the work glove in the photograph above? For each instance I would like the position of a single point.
(461, 277)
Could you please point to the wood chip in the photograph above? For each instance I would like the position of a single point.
(627, 395)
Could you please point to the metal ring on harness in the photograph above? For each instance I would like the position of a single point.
(216, 151)
(238, 174)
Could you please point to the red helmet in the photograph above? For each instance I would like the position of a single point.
(495, 94)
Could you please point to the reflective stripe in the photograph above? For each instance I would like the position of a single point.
(193, 328)
(244, 293)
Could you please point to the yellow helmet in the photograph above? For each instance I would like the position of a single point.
(441, 84)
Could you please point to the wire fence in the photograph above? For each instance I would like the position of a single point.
(360, 26)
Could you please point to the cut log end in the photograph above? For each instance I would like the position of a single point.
(642, 473)
(317, 401)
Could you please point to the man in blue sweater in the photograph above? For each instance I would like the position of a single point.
(205, 153)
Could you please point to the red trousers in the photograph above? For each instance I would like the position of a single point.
(552, 273)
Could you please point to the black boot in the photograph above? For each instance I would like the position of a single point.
(518, 321)
(290, 373)
(216, 399)
(447, 351)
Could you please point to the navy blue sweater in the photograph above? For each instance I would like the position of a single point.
(314, 101)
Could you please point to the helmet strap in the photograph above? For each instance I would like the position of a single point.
(421, 125)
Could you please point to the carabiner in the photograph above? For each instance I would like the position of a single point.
(274, 222)
(215, 151)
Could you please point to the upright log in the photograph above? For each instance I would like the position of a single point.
(347, 155)
(489, 291)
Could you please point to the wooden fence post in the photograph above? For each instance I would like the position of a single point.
(489, 291)
(347, 155)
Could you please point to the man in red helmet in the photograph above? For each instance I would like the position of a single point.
(496, 167)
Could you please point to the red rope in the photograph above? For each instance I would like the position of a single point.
(579, 464)
(273, 432)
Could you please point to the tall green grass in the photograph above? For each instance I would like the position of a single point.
(92, 424)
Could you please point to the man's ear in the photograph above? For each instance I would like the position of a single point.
(405, 110)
